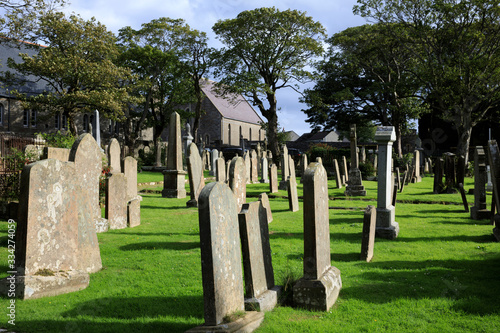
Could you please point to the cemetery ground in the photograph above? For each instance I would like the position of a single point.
(441, 274)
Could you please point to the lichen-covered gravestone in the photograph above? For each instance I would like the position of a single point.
(195, 171)
(56, 242)
(221, 260)
(254, 167)
(260, 292)
(237, 181)
(264, 199)
(264, 170)
(320, 286)
(114, 158)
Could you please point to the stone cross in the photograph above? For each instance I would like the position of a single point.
(355, 184)
(368, 241)
(386, 225)
(354, 148)
(273, 178)
(174, 177)
(320, 286)
(480, 210)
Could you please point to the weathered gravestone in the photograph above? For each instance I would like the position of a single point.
(320, 286)
(220, 170)
(174, 182)
(61, 154)
(416, 178)
(88, 163)
(260, 292)
(114, 156)
(338, 176)
(450, 173)
(237, 181)
(438, 176)
(248, 166)
(254, 167)
(273, 178)
(368, 241)
(285, 168)
(56, 242)
(460, 169)
(494, 159)
(195, 171)
(303, 166)
(133, 200)
(480, 210)
(264, 199)
(386, 225)
(116, 201)
(293, 198)
(355, 184)
(264, 170)
(214, 155)
(221, 260)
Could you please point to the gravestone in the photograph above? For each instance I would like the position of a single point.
(319, 288)
(464, 197)
(338, 178)
(303, 166)
(438, 176)
(386, 225)
(494, 160)
(116, 201)
(228, 164)
(96, 133)
(293, 199)
(460, 169)
(248, 166)
(398, 178)
(56, 242)
(345, 171)
(61, 154)
(368, 241)
(254, 167)
(158, 154)
(220, 168)
(237, 181)
(174, 177)
(188, 139)
(416, 178)
(264, 170)
(195, 172)
(450, 172)
(260, 292)
(273, 178)
(214, 155)
(480, 210)
(220, 256)
(362, 154)
(489, 184)
(355, 184)
(319, 160)
(114, 156)
(133, 200)
(264, 199)
(285, 168)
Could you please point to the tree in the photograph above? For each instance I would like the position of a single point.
(266, 50)
(164, 82)
(366, 77)
(457, 46)
(77, 67)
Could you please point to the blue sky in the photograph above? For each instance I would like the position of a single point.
(335, 15)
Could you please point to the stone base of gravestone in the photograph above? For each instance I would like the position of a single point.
(174, 184)
(101, 225)
(355, 186)
(38, 286)
(134, 212)
(249, 323)
(265, 302)
(480, 214)
(386, 227)
(318, 295)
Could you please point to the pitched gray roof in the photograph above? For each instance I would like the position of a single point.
(235, 107)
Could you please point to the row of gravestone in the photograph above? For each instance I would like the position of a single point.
(59, 215)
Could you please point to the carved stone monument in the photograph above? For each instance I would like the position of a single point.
(174, 178)
(355, 184)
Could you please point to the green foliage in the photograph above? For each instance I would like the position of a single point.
(59, 139)
(367, 169)
(15, 162)
(402, 162)
(327, 153)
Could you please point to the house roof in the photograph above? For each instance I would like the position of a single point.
(313, 136)
(234, 107)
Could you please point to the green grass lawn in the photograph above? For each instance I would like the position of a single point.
(442, 274)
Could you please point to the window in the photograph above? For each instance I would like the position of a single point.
(33, 118)
(1, 113)
(249, 134)
(26, 118)
(229, 134)
(57, 121)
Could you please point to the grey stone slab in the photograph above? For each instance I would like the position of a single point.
(220, 168)
(237, 180)
(174, 178)
(368, 240)
(130, 173)
(254, 167)
(61, 154)
(116, 201)
(338, 176)
(273, 178)
(480, 210)
(248, 166)
(293, 199)
(285, 168)
(134, 212)
(195, 172)
(220, 253)
(264, 170)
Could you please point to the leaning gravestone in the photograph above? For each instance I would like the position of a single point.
(293, 199)
(174, 182)
(320, 286)
(116, 201)
(480, 210)
(285, 168)
(273, 178)
(345, 173)
(338, 178)
(88, 163)
(221, 259)
(56, 242)
(237, 181)
(114, 156)
(368, 241)
(386, 225)
(195, 171)
(260, 292)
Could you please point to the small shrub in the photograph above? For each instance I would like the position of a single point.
(367, 169)
(59, 139)
(15, 162)
(287, 280)
(103, 181)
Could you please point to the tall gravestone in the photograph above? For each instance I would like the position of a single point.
(133, 200)
(293, 198)
(355, 184)
(260, 292)
(368, 241)
(338, 176)
(248, 166)
(214, 155)
(480, 210)
(319, 288)
(220, 167)
(195, 171)
(386, 225)
(438, 176)
(56, 242)
(264, 170)
(116, 201)
(450, 172)
(345, 171)
(303, 166)
(237, 181)
(254, 167)
(416, 165)
(114, 156)
(220, 257)
(494, 159)
(273, 178)
(285, 168)
(174, 182)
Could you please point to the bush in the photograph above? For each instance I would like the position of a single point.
(367, 169)
(14, 163)
(59, 139)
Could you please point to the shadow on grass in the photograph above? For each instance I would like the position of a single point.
(181, 207)
(471, 285)
(346, 257)
(4, 241)
(462, 238)
(161, 246)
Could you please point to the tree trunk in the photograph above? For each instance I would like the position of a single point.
(464, 134)
(196, 123)
(272, 136)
